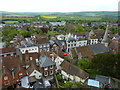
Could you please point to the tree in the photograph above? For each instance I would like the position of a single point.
(8, 33)
(59, 77)
(79, 29)
(83, 63)
(107, 64)
(25, 33)
(68, 84)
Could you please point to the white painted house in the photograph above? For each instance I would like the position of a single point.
(37, 74)
(73, 73)
(62, 23)
(71, 41)
(93, 41)
(82, 42)
(34, 71)
(30, 49)
(58, 61)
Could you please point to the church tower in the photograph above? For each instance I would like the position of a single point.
(105, 37)
(91, 33)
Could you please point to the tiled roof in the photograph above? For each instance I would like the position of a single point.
(7, 50)
(85, 51)
(114, 44)
(32, 68)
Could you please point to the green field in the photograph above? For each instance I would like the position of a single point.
(11, 21)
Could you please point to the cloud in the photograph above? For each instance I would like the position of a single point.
(58, 5)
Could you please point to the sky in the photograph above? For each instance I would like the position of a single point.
(58, 5)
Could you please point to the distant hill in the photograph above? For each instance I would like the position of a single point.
(94, 13)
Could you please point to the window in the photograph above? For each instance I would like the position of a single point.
(45, 68)
(37, 61)
(30, 58)
(34, 72)
(7, 82)
(6, 78)
(40, 46)
(51, 72)
(51, 67)
(40, 50)
(22, 50)
(48, 45)
(45, 73)
(71, 45)
(8, 54)
(20, 74)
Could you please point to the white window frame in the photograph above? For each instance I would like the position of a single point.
(5, 77)
(51, 67)
(45, 73)
(51, 72)
(30, 58)
(45, 68)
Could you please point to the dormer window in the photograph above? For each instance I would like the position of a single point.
(45, 73)
(45, 68)
(51, 72)
(44, 45)
(51, 67)
(40, 46)
(6, 78)
(48, 45)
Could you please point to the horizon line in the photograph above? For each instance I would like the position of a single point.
(56, 11)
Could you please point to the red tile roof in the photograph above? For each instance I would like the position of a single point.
(7, 50)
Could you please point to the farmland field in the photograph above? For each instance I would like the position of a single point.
(49, 16)
(11, 21)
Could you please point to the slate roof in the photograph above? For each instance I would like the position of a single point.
(60, 42)
(102, 79)
(71, 39)
(37, 85)
(45, 61)
(73, 70)
(98, 48)
(27, 43)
